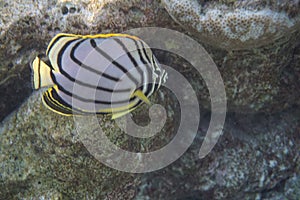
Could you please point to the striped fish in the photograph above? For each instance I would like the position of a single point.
(102, 74)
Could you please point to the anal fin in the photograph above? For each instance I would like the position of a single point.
(53, 102)
(120, 114)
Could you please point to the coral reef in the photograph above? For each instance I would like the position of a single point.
(256, 158)
(42, 156)
(236, 24)
(255, 45)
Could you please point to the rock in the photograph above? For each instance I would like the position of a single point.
(253, 44)
(291, 188)
(257, 157)
(41, 157)
(236, 24)
(258, 154)
(46, 155)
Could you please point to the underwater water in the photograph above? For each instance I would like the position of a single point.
(154, 151)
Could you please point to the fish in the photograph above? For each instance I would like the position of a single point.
(97, 74)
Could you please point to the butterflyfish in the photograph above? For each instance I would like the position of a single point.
(97, 74)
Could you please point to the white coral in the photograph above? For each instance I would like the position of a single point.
(237, 28)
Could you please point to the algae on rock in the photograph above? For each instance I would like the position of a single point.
(41, 156)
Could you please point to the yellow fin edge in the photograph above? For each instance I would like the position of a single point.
(102, 35)
(46, 94)
(141, 95)
(41, 74)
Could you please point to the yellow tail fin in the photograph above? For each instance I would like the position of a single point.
(41, 74)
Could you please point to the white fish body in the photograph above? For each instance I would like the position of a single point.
(102, 74)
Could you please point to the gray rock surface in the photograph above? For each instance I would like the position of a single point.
(41, 157)
(259, 65)
(237, 24)
(258, 155)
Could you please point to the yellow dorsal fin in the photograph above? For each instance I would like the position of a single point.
(41, 74)
(72, 36)
(141, 95)
(57, 37)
